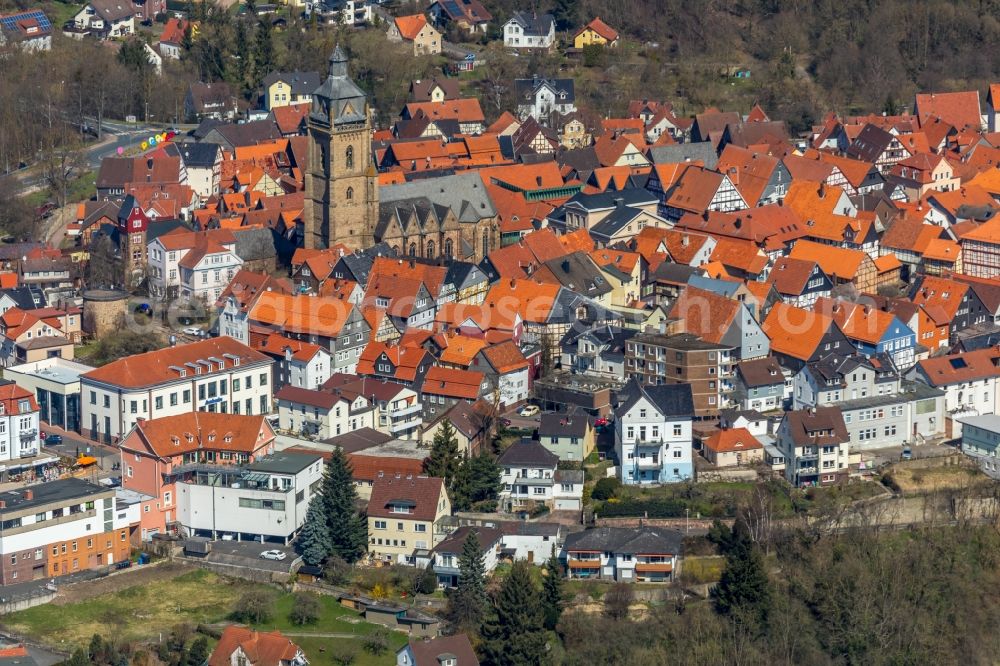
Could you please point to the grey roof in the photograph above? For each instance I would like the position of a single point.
(721, 287)
(582, 160)
(574, 476)
(615, 221)
(360, 263)
(528, 453)
(254, 243)
(464, 193)
(487, 536)
(638, 540)
(60, 490)
(246, 134)
(198, 155)
(611, 337)
(989, 422)
(571, 424)
(685, 152)
(301, 83)
(26, 297)
(534, 25)
(284, 462)
(464, 273)
(909, 391)
(677, 273)
(571, 307)
(344, 100)
(360, 439)
(869, 144)
(632, 196)
(577, 271)
(672, 400)
(526, 89)
(524, 528)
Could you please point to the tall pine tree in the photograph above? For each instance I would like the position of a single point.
(477, 480)
(743, 589)
(444, 459)
(348, 529)
(514, 634)
(263, 52)
(552, 591)
(467, 604)
(314, 539)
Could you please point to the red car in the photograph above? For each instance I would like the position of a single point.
(600, 422)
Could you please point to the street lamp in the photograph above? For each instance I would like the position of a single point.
(687, 513)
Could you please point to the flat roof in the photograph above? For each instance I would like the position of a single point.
(909, 391)
(55, 369)
(59, 490)
(284, 462)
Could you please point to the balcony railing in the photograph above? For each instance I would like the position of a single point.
(29, 434)
(399, 426)
(406, 411)
(648, 463)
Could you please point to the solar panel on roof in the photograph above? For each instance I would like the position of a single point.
(451, 7)
(10, 21)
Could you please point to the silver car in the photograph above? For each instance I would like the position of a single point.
(273, 555)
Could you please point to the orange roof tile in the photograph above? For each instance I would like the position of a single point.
(450, 382)
(176, 435)
(410, 26)
(731, 440)
(795, 332)
(461, 349)
(942, 249)
(843, 263)
(531, 300)
(704, 313)
(505, 357)
(465, 109)
(307, 315)
(601, 28)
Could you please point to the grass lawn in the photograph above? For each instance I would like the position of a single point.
(334, 618)
(706, 569)
(912, 479)
(320, 651)
(133, 613)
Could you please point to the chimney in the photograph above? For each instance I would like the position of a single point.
(619, 202)
(3, 504)
(29, 494)
(822, 190)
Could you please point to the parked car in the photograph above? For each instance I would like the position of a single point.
(52, 440)
(907, 453)
(529, 411)
(193, 330)
(273, 555)
(46, 209)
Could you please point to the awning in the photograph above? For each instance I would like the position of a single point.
(256, 477)
(83, 461)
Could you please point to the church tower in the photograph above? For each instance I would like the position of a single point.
(341, 182)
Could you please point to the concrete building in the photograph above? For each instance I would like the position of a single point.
(62, 527)
(55, 383)
(814, 443)
(643, 554)
(653, 433)
(530, 473)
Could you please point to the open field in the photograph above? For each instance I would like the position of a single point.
(911, 479)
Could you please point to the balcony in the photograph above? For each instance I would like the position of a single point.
(531, 481)
(647, 463)
(408, 424)
(406, 411)
(29, 434)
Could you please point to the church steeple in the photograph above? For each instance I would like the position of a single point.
(338, 63)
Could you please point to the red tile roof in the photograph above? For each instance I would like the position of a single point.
(601, 28)
(732, 440)
(421, 493)
(704, 313)
(172, 436)
(410, 26)
(461, 384)
(795, 332)
(166, 365)
(961, 109)
(261, 649)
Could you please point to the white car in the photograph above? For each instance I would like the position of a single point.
(192, 330)
(273, 555)
(529, 410)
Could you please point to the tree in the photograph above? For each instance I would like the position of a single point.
(743, 588)
(348, 530)
(199, 653)
(377, 642)
(618, 599)
(241, 53)
(605, 488)
(425, 582)
(336, 571)
(255, 606)
(444, 459)
(477, 480)
(79, 658)
(305, 608)
(343, 652)
(121, 344)
(467, 603)
(263, 52)
(314, 539)
(104, 267)
(514, 634)
(566, 13)
(552, 591)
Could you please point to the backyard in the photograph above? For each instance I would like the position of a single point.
(149, 608)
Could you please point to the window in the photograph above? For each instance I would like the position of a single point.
(349, 158)
(158, 402)
(349, 194)
(187, 396)
(380, 524)
(173, 400)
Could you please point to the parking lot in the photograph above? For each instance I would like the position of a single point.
(247, 554)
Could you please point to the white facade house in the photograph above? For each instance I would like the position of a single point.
(192, 265)
(643, 554)
(653, 437)
(19, 433)
(215, 375)
(526, 30)
(106, 19)
(322, 414)
(268, 498)
(529, 473)
(814, 443)
(447, 553)
(345, 12)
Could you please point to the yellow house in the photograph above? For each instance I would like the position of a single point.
(573, 133)
(285, 88)
(404, 515)
(417, 30)
(595, 32)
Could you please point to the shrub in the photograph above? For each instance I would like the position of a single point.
(255, 606)
(336, 571)
(606, 488)
(377, 642)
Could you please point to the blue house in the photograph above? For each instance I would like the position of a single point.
(873, 331)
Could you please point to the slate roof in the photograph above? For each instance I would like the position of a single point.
(527, 454)
(534, 25)
(301, 83)
(673, 400)
(702, 151)
(571, 424)
(526, 89)
(465, 193)
(198, 155)
(635, 541)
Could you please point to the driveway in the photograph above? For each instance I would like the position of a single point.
(247, 554)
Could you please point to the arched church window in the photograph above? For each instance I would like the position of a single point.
(413, 249)
(349, 157)
(430, 249)
(449, 248)
(486, 242)
(349, 195)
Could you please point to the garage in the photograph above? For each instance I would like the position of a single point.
(567, 505)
